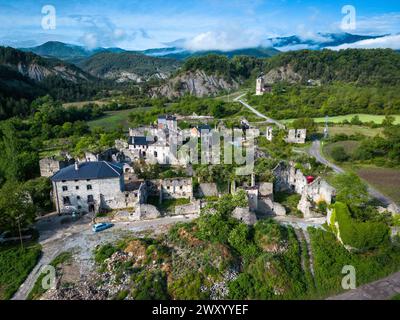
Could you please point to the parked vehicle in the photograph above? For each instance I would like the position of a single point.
(101, 227)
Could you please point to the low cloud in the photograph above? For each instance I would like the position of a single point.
(225, 40)
(99, 31)
(388, 42)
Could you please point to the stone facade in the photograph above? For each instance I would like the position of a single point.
(208, 190)
(298, 136)
(50, 166)
(192, 208)
(245, 215)
(175, 188)
(96, 195)
(145, 212)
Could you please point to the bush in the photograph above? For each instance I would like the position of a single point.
(339, 154)
(104, 252)
(359, 235)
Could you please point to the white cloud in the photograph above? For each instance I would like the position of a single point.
(226, 40)
(391, 42)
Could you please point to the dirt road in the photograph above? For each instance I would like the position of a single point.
(56, 237)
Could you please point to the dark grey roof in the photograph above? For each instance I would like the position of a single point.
(167, 117)
(89, 171)
(138, 141)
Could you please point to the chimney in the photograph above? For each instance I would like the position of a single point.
(76, 165)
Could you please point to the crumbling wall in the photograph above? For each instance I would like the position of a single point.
(191, 208)
(245, 215)
(298, 136)
(145, 212)
(208, 190)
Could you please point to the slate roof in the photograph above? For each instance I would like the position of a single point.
(138, 141)
(167, 117)
(89, 171)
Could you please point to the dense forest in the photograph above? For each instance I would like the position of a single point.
(362, 67)
(295, 101)
(108, 62)
(238, 67)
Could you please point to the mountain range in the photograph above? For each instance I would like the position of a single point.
(175, 50)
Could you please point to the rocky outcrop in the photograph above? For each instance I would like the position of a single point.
(123, 76)
(38, 72)
(282, 74)
(196, 83)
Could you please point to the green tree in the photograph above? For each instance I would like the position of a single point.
(339, 154)
(351, 189)
(16, 207)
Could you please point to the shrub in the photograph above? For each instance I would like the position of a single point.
(360, 235)
(339, 154)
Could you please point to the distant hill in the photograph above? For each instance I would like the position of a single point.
(67, 52)
(129, 66)
(182, 54)
(359, 66)
(76, 54)
(38, 68)
(27, 75)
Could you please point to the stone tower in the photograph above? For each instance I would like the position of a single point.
(260, 86)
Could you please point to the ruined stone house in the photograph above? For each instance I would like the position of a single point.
(297, 136)
(50, 166)
(93, 187)
(288, 178)
(174, 188)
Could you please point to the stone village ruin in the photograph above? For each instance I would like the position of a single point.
(107, 181)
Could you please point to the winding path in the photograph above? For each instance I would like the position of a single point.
(56, 238)
(257, 113)
(315, 151)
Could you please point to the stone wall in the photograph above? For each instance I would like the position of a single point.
(208, 190)
(245, 215)
(145, 212)
(175, 188)
(298, 136)
(50, 166)
(191, 208)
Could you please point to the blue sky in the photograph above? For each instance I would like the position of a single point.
(205, 24)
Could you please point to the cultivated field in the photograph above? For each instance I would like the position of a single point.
(363, 118)
(350, 130)
(385, 180)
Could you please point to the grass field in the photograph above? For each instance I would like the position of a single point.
(363, 117)
(113, 119)
(350, 130)
(385, 180)
(15, 265)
